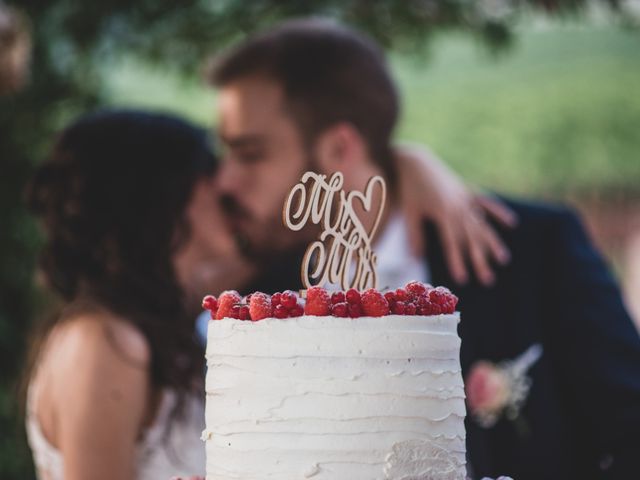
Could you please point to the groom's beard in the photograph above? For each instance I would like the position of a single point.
(267, 237)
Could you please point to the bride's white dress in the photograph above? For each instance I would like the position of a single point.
(159, 456)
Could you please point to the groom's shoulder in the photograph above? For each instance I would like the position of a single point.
(539, 211)
(544, 217)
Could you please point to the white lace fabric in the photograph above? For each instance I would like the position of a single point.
(181, 453)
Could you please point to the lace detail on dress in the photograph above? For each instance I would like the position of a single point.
(180, 454)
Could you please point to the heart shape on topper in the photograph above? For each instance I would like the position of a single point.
(366, 202)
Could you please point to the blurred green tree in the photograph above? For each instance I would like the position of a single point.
(72, 40)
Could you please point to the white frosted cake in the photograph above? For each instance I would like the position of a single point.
(326, 397)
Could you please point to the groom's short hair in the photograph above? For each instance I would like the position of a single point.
(328, 74)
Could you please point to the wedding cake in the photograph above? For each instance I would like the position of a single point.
(355, 386)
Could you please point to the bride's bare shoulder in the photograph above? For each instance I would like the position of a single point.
(97, 338)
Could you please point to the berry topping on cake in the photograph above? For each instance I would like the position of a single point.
(279, 311)
(443, 297)
(391, 298)
(244, 313)
(415, 289)
(288, 299)
(353, 296)
(340, 309)
(210, 303)
(401, 295)
(260, 306)
(318, 302)
(410, 308)
(398, 308)
(296, 311)
(275, 299)
(355, 310)
(226, 302)
(235, 312)
(416, 298)
(338, 297)
(374, 304)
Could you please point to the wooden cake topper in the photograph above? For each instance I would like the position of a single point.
(344, 243)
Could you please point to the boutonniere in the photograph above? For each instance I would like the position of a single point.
(497, 390)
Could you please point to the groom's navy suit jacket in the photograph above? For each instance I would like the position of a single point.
(581, 419)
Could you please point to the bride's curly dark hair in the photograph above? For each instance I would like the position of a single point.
(111, 199)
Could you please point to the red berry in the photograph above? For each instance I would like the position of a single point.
(337, 297)
(438, 295)
(275, 299)
(260, 306)
(443, 297)
(355, 310)
(318, 302)
(340, 309)
(424, 306)
(391, 298)
(401, 295)
(296, 311)
(398, 308)
(244, 313)
(280, 311)
(235, 311)
(353, 296)
(415, 289)
(410, 309)
(226, 302)
(288, 299)
(210, 303)
(374, 304)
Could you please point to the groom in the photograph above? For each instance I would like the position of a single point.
(309, 95)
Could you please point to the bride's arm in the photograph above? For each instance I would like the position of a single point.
(100, 391)
(429, 189)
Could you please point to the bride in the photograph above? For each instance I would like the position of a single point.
(133, 238)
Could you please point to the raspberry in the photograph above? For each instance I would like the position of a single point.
(374, 304)
(288, 299)
(391, 298)
(401, 295)
(398, 308)
(410, 309)
(226, 302)
(210, 303)
(243, 313)
(424, 306)
(260, 306)
(353, 296)
(275, 299)
(436, 309)
(415, 289)
(340, 309)
(337, 297)
(318, 302)
(280, 311)
(235, 311)
(355, 310)
(296, 311)
(443, 297)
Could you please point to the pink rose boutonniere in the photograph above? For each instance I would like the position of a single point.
(494, 390)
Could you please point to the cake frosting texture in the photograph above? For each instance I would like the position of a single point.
(335, 398)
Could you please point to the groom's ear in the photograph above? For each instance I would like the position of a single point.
(340, 148)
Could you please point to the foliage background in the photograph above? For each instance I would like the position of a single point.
(528, 97)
